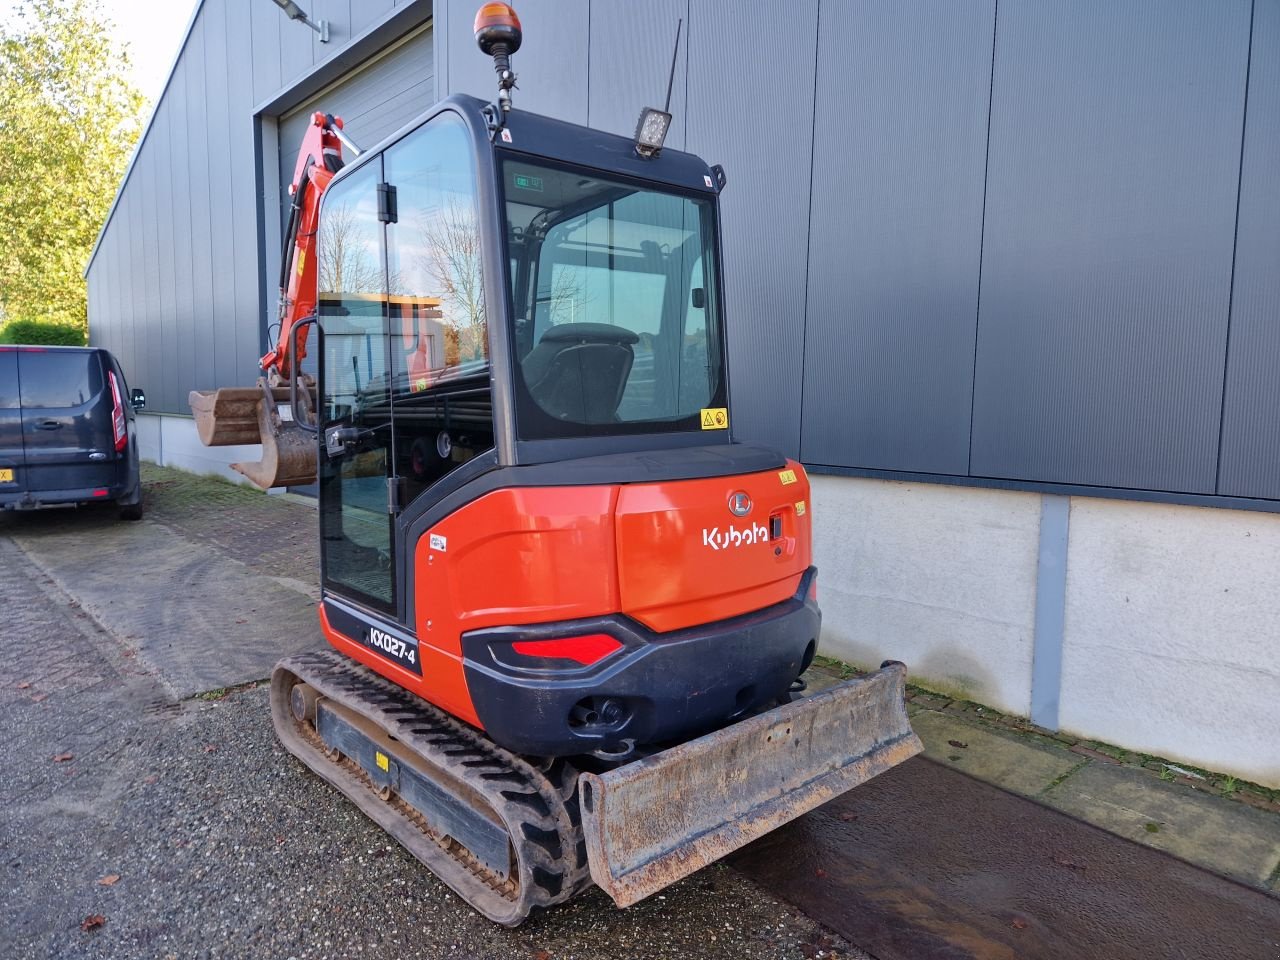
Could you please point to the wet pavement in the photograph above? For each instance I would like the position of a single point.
(926, 862)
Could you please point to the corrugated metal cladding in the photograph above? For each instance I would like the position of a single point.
(174, 287)
(896, 227)
(1250, 432)
(374, 102)
(1110, 223)
(1010, 240)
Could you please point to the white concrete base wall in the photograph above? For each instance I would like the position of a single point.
(1171, 637)
(1172, 634)
(942, 578)
(172, 441)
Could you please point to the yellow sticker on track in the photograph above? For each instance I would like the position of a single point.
(715, 418)
(383, 763)
(787, 477)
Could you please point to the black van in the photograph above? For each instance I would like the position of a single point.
(67, 432)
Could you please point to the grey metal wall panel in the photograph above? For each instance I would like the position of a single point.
(199, 365)
(551, 64)
(758, 121)
(1250, 465)
(896, 227)
(373, 102)
(630, 62)
(242, 210)
(178, 348)
(167, 330)
(221, 237)
(364, 13)
(1114, 155)
(296, 57)
(265, 22)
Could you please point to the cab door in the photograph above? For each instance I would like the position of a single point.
(357, 542)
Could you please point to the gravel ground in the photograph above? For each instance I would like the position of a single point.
(224, 845)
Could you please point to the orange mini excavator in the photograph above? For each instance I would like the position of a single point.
(568, 612)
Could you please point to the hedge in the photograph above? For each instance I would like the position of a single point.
(42, 333)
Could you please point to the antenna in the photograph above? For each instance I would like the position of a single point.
(651, 131)
(671, 79)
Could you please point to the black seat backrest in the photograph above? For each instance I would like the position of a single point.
(578, 371)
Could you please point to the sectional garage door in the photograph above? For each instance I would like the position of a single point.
(374, 100)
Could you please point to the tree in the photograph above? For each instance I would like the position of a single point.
(348, 253)
(69, 118)
(451, 239)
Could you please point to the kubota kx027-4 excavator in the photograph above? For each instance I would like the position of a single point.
(567, 609)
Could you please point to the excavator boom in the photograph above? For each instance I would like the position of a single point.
(267, 413)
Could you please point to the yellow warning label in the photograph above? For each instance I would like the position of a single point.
(787, 477)
(383, 763)
(302, 259)
(799, 508)
(715, 418)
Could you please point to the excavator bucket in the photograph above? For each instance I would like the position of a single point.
(652, 822)
(261, 414)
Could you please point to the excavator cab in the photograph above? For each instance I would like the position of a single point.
(487, 306)
(568, 611)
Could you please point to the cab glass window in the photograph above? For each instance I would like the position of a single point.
(437, 314)
(616, 317)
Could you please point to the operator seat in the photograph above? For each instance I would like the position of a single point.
(578, 371)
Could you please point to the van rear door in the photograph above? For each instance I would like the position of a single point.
(66, 420)
(11, 459)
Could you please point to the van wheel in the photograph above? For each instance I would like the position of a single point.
(131, 512)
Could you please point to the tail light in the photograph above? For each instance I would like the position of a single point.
(585, 650)
(813, 588)
(118, 426)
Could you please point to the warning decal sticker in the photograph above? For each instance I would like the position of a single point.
(715, 418)
(787, 477)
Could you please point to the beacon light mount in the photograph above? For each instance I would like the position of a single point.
(498, 34)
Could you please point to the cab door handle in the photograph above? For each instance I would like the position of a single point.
(49, 425)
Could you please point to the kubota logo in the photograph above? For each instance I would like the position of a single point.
(739, 504)
(718, 539)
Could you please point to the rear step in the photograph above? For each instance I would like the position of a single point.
(504, 834)
(232, 416)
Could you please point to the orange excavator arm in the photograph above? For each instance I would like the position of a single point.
(248, 415)
(319, 158)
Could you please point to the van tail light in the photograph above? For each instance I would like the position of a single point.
(587, 650)
(813, 588)
(118, 426)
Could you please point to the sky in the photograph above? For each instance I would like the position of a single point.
(151, 29)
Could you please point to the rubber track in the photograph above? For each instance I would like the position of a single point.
(536, 799)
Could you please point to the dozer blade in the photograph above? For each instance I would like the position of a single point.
(243, 415)
(652, 822)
